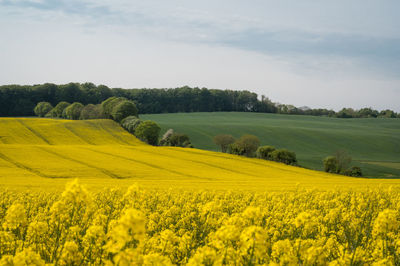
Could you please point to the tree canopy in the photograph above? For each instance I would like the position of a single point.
(42, 109)
(148, 131)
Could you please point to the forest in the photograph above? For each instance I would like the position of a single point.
(20, 100)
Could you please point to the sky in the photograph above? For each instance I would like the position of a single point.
(316, 53)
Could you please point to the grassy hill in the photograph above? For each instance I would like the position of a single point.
(45, 153)
(374, 144)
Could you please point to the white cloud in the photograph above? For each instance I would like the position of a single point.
(169, 44)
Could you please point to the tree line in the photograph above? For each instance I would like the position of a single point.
(249, 146)
(119, 109)
(20, 100)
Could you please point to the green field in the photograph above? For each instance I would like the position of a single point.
(374, 144)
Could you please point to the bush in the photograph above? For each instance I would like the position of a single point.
(148, 131)
(42, 109)
(73, 111)
(108, 105)
(92, 111)
(175, 139)
(58, 110)
(124, 109)
(343, 160)
(245, 145)
(130, 123)
(165, 138)
(354, 171)
(330, 164)
(179, 140)
(51, 114)
(224, 141)
(264, 152)
(236, 149)
(284, 156)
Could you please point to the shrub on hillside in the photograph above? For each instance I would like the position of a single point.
(165, 138)
(343, 161)
(354, 171)
(246, 145)
(170, 138)
(340, 164)
(109, 104)
(92, 111)
(330, 164)
(264, 152)
(124, 109)
(284, 156)
(73, 111)
(236, 149)
(179, 140)
(130, 123)
(148, 131)
(58, 110)
(42, 109)
(224, 140)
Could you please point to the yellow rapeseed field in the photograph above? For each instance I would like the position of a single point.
(134, 204)
(46, 153)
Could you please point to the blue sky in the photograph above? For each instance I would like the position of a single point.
(316, 53)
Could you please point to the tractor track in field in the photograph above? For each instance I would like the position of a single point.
(37, 134)
(195, 161)
(147, 164)
(24, 167)
(101, 126)
(78, 135)
(104, 171)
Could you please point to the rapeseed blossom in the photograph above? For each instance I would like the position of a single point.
(143, 227)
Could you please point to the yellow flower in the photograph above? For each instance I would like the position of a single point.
(15, 217)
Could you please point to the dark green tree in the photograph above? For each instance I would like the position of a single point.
(354, 171)
(92, 111)
(343, 160)
(109, 104)
(330, 164)
(73, 111)
(148, 131)
(179, 140)
(58, 110)
(224, 140)
(346, 113)
(264, 152)
(246, 145)
(42, 109)
(387, 114)
(124, 109)
(284, 156)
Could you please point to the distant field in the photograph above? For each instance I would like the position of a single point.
(46, 153)
(374, 144)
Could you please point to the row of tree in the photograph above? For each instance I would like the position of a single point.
(116, 108)
(343, 113)
(249, 146)
(19, 100)
(120, 110)
(340, 163)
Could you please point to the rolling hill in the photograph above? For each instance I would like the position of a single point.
(46, 153)
(374, 144)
